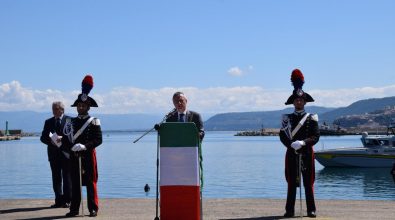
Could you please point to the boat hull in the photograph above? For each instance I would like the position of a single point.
(349, 159)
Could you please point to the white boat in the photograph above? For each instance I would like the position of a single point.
(377, 151)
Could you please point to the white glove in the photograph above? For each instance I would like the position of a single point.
(78, 147)
(297, 144)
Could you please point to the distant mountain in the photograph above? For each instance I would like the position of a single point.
(357, 108)
(271, 119)
(241, 121)
(30, 121)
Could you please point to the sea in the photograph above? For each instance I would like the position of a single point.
(234, 167)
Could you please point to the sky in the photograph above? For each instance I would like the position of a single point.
(225, 55)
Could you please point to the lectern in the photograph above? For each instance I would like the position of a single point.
(180, 192)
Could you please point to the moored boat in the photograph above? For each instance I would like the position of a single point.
(377, 151)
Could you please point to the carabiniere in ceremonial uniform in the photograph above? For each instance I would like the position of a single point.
(85, 135)
(299, 133)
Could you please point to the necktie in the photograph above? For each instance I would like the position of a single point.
(181, 119)
(57, 126)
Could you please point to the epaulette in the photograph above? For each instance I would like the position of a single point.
(96, 121)
(314, 117)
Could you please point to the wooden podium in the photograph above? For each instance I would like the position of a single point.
(180, 193)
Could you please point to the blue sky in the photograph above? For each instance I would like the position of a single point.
(227, 56)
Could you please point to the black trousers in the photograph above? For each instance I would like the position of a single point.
(61, 179)
(91, 189)
(308, 176)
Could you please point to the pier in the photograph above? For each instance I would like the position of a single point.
(323, 132)
(218, 209)
(262, 132)
(9, 138)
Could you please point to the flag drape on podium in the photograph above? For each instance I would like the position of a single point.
(179, 172)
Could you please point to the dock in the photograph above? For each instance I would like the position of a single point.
(9, 138)
(10, 135)
(323, 132)
(261, 132)
(218, 209)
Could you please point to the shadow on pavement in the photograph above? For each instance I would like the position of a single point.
(23, 210)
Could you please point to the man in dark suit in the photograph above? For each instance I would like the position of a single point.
(59, 160)
(182, 114)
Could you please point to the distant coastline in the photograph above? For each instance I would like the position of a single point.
(323, 132)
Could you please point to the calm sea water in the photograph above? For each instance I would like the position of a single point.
(234, 167)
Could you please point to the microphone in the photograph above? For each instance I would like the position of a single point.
(157, 126)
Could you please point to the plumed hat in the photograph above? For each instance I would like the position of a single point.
(297, 80)
(86, 86)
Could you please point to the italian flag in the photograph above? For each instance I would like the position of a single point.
(179, 172)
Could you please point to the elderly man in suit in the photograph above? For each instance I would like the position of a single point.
(184, 115)
(59, 160)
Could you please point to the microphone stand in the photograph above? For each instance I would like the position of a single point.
(144, 134)
(156, 127)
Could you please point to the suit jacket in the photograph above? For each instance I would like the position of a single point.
(190, 116)
(49, 126)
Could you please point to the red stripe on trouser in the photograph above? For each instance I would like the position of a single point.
(312, 173)
(179, 203)
(95, 197)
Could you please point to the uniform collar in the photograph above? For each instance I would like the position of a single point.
(83, 116)
(299, 113)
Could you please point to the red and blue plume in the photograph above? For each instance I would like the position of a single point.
(297, 79)
(87, 84)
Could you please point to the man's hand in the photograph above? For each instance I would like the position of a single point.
(297, 144)
(78, 147)
(59, 139)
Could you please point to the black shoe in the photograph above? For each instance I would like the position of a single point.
(93, 213)
(66, 205)
(72, 214)
(289, 214)
(311, 214)
(56, 205)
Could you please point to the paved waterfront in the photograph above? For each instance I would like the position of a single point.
(221, 209)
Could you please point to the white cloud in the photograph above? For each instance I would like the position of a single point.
(235, 71)
(15, 97)
(345, 97)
